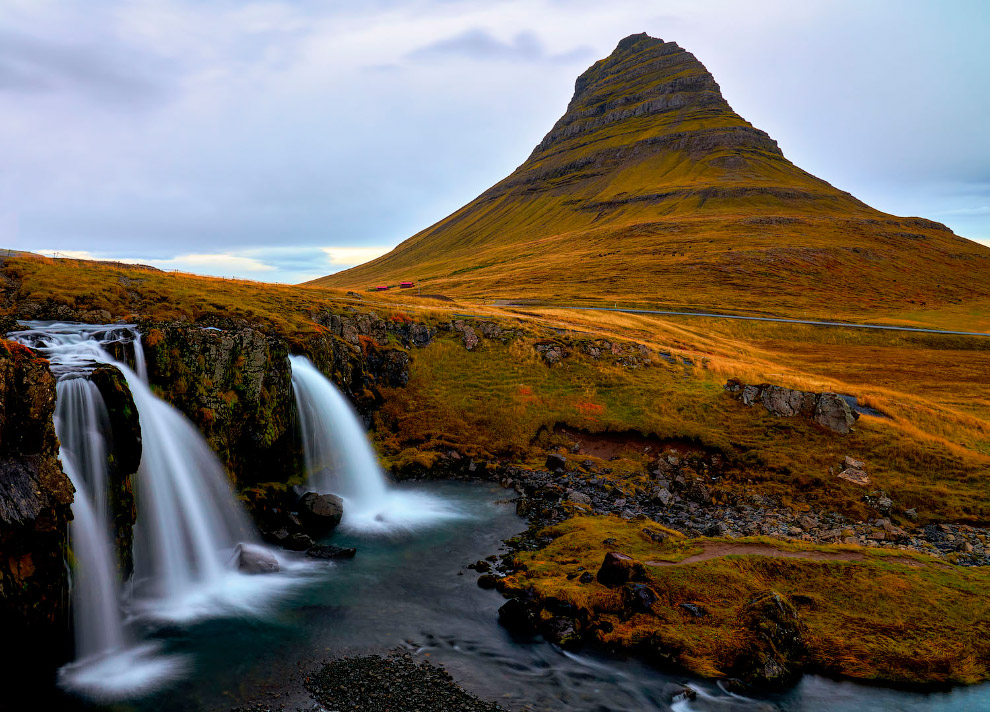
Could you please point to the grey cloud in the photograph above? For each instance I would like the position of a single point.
(29, 64)
(480, 45)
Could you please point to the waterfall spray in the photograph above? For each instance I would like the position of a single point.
(340, 460)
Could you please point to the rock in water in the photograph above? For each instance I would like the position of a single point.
(320, 513)
(255, 560)
(328, 551)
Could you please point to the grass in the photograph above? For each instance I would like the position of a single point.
(876, 619)
(684, 209)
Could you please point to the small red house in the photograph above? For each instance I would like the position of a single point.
(406, 285)
(381, 288)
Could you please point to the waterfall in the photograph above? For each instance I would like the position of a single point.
(188, 524)
(189, 521)
(81, 424)
(341, 460)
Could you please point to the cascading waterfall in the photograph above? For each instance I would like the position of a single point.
(189, 519)
(340, 460)
(188, 526)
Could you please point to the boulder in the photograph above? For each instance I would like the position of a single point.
(639, 598)
(320, 513)
(519, 616)
(255, 560)
(785, 402)
(832, 412)
(556, 462)
(617, 569)
(776, 648)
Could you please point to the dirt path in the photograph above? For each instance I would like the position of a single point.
(714, 550)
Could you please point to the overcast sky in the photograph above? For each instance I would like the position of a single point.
(281, 141)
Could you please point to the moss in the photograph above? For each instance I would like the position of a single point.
(914, 621)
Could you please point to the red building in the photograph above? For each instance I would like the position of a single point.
(406, 285)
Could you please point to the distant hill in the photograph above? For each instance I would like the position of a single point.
(651, 189)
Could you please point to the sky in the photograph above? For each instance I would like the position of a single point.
(281, 141)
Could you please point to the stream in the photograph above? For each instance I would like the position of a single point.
(408, 590)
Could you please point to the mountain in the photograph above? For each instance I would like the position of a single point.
(650, 189)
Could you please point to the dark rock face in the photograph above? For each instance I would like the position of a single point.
(829, 410)
(320, 513)
(774, 658)
(123, 459)
(234, 383)
(35, 499)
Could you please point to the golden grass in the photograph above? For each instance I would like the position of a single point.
(875, 619)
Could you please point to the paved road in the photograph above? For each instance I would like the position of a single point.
(761, 318)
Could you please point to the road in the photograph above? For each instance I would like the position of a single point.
(810, 322)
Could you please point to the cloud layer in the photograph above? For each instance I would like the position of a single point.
(282, 140)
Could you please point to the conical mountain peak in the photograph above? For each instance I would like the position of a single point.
(650, 188)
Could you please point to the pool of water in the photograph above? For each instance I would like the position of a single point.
(409, 590)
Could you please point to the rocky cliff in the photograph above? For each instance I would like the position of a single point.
(35, 499)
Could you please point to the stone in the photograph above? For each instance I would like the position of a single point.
(777, 648)
(782, 402)
(320, 513)
(654, 535)
(519, 616)
(832, 412)
(852, 464)
(255, 560)
(586, 577)
(617, 569)
(556, 462)
(328, 551)
(639, 598)
(694, 609)
(298, 542)
(857, 477)
(487, 581)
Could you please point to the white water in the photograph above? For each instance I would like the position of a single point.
(109, 663)
(340, 460)
(188, 525)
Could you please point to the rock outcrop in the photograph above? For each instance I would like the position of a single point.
(829, 410)
(123, 459)
(35, 500)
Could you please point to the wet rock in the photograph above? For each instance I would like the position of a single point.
(519, 616)
(617, 569)
(255, 560)
(297, 542)
(330, 552)
(320, 513)
(487, 581)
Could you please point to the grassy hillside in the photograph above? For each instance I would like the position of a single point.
(651, 190)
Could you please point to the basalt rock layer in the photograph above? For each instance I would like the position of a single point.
(651, 188)
(35, 500)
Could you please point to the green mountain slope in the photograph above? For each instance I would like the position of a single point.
(651, 189)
